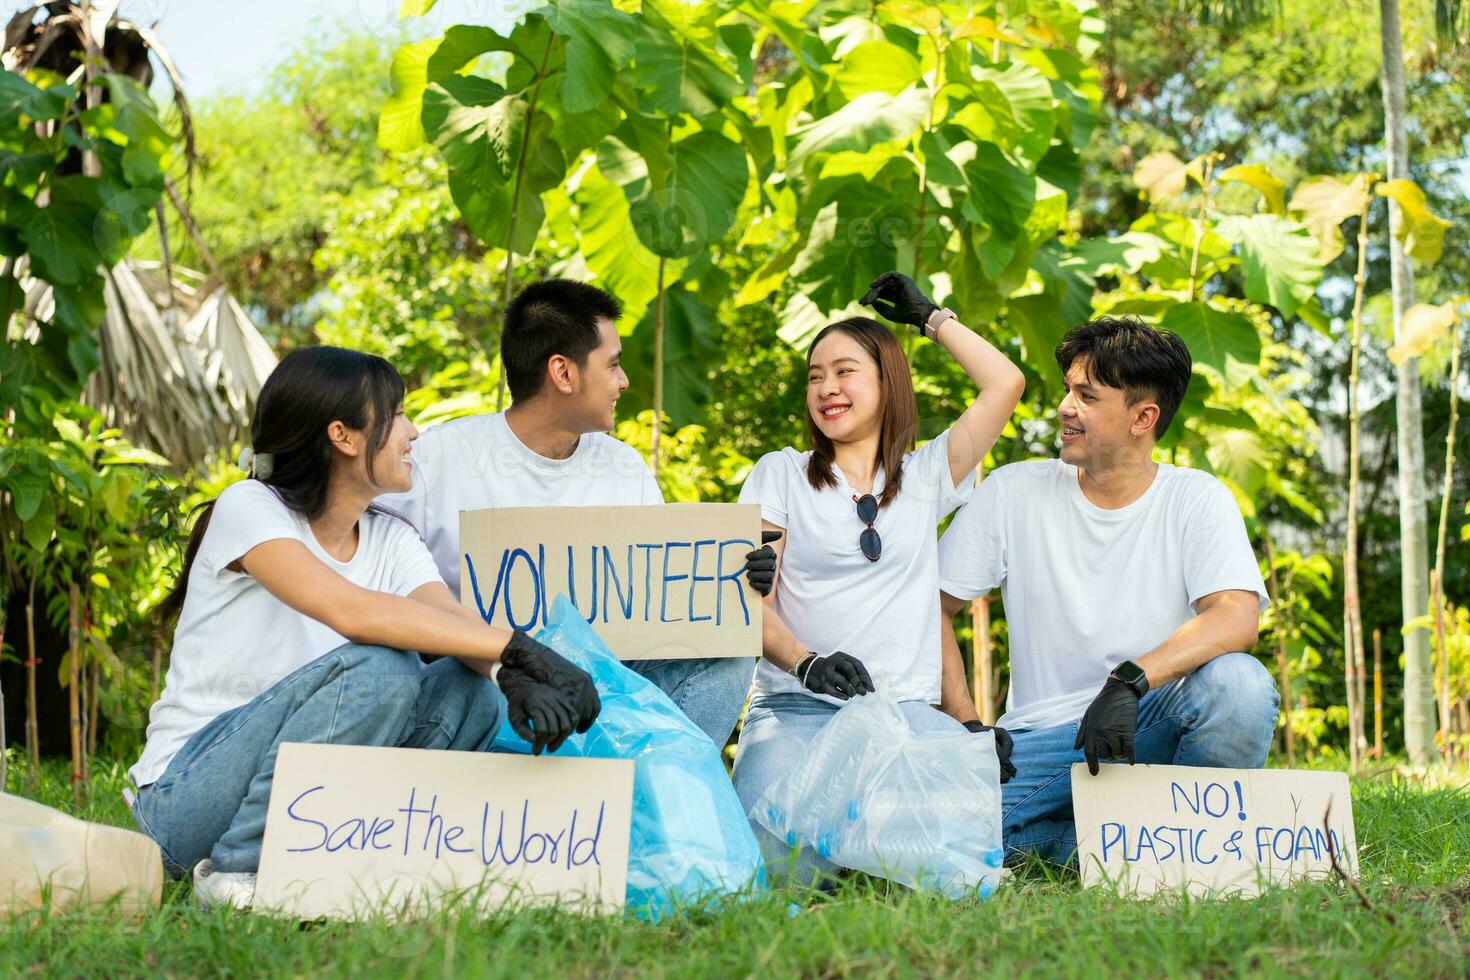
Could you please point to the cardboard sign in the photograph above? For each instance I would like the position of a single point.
(1210, 831)
(355, 831)
(655, 582)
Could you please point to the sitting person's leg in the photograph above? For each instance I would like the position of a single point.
(1221, 716)
(212, 799)
(777, 730)
(709, 690)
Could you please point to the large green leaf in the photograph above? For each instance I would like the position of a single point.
(862, 124)
(710, 177)
(1280, 256)
(1255, 175)
(877, 66)
(1226, 342)
(600, 41)
(1038, 319)
(680, 67)
(20, 98)
(60, 236)
(416, 65)
(1029, 94)
(148, 143)
(691, 352)
(1001, 196)
(478, 126)
(610, 245)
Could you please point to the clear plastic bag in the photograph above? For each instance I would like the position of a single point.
(871, 793)
(690, 841)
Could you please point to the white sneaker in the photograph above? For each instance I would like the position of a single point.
(215, 888)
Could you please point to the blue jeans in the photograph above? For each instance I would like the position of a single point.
(211, 800)
(778, 728)
(710, 691)
(1223, 715)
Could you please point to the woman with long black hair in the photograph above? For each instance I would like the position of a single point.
(855, 605)
(301, 612)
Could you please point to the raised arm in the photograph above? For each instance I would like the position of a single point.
(1001, 383)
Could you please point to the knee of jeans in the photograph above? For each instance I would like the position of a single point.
(394, 675)
(1237, 689)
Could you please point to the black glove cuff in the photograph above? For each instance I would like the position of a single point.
(976, 727)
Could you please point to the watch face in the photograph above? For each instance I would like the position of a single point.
(1129, 672)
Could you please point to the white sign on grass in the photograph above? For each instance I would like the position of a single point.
(1211, 831)
(352, 831)
(657, 582)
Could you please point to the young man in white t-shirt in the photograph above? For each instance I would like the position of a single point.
(1130, 591)
(562, 360)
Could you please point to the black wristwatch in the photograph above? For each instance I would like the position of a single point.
(1131, 674)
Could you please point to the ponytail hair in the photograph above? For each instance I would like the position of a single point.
(899, 413)
(309, 390)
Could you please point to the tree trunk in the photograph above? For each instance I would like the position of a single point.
(1378, 694)
(1419, 707)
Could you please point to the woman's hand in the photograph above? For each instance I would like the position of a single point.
(898, 298)
(544, 665)
(839, 675)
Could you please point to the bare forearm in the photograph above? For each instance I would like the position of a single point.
(1220, 629)
(406, 624)
(990, 369)
(778, 644)
(954, 693)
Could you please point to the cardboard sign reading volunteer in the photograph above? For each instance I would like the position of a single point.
(357, 830)
(1211, 831)
(655, 582)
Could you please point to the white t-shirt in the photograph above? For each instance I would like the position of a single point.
(884, 613)
(234, 640)
(1084, 587)
(477, 462)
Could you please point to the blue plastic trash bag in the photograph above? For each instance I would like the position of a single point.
(871, 793)
(690, 839)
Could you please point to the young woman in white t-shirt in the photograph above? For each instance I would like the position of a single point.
(297, 611)
(855, 606)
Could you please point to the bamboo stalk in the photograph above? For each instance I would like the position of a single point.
(983, 682)
(1352, 614)
(1378, 693)
(33, 730)
(74, 692)
(1283, 660)
(658, 369)
(1436, 592)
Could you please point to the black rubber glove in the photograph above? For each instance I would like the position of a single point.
(1003, 745)
(545, 666)
(760, 564)
(895, 295)
(1107, 727)
(537, 712)
(839, 675)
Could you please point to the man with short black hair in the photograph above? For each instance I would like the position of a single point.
(562, 358)
(1130, 590)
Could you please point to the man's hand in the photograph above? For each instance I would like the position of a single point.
(760, 564)
(1003, 746)
(537, 712)
(895, 295)
(545, 666)
(1107, 727)
(839, 675)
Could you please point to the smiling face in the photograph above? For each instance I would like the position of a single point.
(391, 470)
(844, 394)
(1098, 425)
(600, 381)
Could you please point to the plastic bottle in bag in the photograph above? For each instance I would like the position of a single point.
(875, 794)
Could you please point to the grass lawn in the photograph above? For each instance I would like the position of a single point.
(1413, 834)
